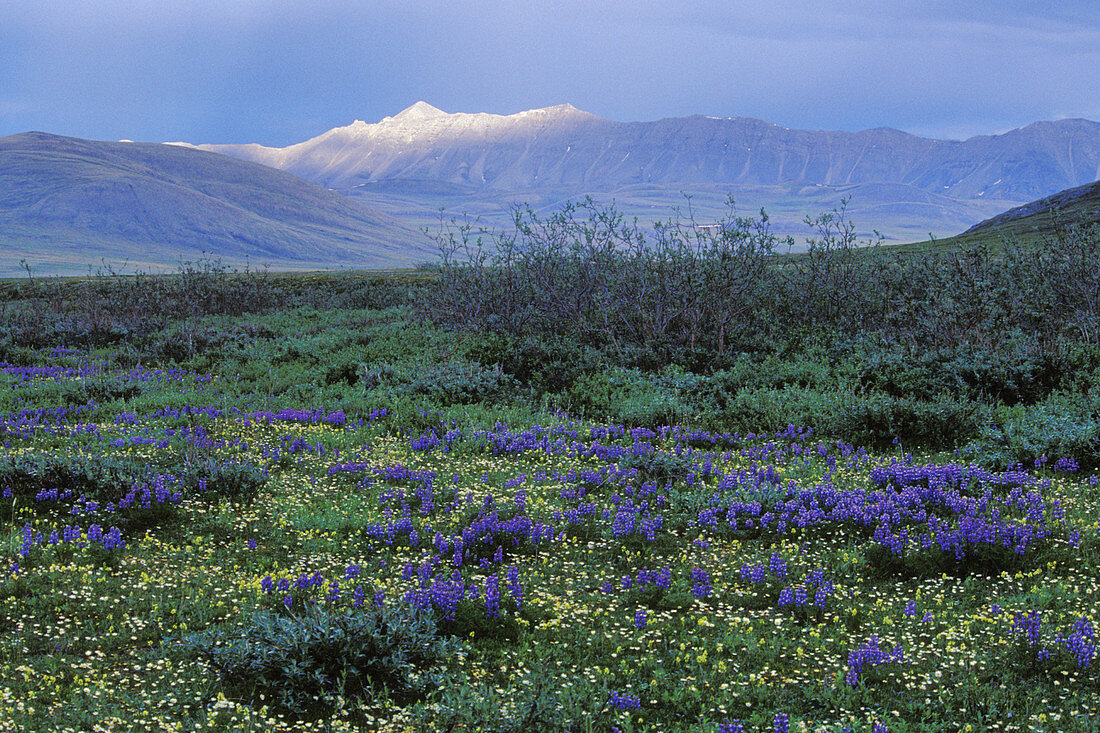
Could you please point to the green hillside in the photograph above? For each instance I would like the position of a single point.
(1079, 206)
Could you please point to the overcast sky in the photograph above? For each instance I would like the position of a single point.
(281, 71)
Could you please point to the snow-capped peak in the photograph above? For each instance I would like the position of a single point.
(418, 111)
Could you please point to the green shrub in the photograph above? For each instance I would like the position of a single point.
(1010, 376)
(452, 382)
(774, 371)
(303, 662)
(102, 478)
(546, 365)
(1064, 426)
(877, 420)
(471, 622)
(212, 478)
(768, 408)
(635, 398)
(872, 420)
(540, 699)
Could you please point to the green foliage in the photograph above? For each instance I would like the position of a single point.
(451, 382)
(633, 397)
(471, 622)
(980, 559)
(306, 661)
(879, 420)
(534, 700)
(545, 365)
(213, 478)
(661, 467)
(100, 478)
(1063, 426)
(1010, 377)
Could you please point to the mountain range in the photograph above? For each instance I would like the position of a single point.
(359, 196)
(898, 183)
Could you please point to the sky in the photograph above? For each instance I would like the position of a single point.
(281, 71)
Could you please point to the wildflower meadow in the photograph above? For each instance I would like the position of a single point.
(352, 519)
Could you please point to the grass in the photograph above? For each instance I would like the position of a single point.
(1040, 220)
(611, 578)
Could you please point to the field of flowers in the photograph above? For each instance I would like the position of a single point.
(178, 556)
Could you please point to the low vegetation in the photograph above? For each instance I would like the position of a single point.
(573, 484)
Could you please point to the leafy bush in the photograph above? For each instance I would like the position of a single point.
(304, 661)
(232, 479)
(766, 408)
(117, 492)
(103, 479)
(533, 700)
(1064, 426)
(868, 420)
(635, 398)
(471, 622)
(545, 365)
(456, 381)
(1007, 376)
(877, 420)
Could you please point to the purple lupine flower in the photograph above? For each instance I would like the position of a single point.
(781, 723)
(640, 619)
(1082, 642)
(1028, 624)
(624, 701)
(778, 565)
(701, 579)
(492, 596)
(515, 587)
(869, 654)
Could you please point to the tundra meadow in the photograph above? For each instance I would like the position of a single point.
(577, 481)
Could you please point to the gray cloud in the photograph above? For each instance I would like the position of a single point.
(280, 71)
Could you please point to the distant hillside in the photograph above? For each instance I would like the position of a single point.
(67, 203)
(1074, 206)
(1079, 206)
(901, 184)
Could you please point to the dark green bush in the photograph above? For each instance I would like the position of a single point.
(212, 478)
(471, 622)
(451, 382)
(978, 559)
(661, 467)
(635, 398)
(1007, 376)
(101, 478)
(531, 700)
(1064, 426)
(759, 408)
(543, 364)
(303, 661)
(877, 420)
